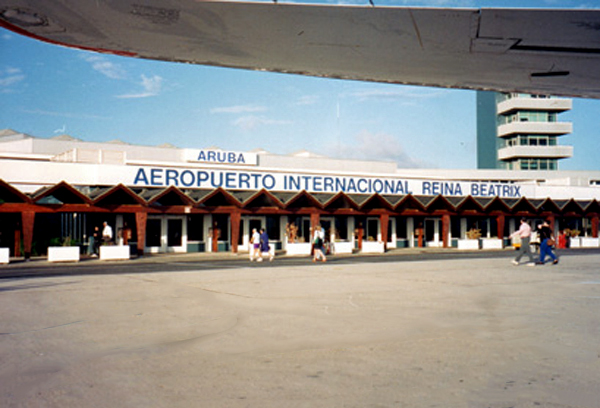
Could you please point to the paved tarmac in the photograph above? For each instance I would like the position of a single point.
(39, 266)
(421, 329)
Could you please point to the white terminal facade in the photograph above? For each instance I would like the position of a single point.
(173, 198)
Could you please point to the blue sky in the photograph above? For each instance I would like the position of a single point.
(46, 90)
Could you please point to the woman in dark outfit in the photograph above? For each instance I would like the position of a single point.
(545, 248)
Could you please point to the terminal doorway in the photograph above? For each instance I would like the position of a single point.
(433, 232)
(166, 234)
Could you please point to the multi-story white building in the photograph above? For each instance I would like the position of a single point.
(521, 132)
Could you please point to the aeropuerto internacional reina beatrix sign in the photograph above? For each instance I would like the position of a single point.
(290, 182)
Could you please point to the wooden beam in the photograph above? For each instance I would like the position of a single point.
(236, 217)
(384, 220)
(27, 221)
(315, 219)
(141, 217)
(500, 220)
(445, 229)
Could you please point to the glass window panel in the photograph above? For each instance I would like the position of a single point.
(195, 227)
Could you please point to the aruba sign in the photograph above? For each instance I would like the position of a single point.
(220, 157)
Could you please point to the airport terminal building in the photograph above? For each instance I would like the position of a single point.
(203, 200)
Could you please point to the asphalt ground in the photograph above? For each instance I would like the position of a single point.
(408, 329)
(40, 267)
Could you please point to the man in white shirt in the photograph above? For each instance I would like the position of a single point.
(107, 233)
(524, 232)
(255, 246)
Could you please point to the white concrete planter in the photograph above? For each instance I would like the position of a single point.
(491, 243)
(468, 244)
(575, 242)
(371, 247)
(4, 255)
(588, 242)
(299, 248)
(63, 254)
(114, 252)
(342, 247)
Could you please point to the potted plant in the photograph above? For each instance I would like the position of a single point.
(63, 250)
(472, 240)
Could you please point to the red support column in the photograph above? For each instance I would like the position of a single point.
(384, 220)
(551, 219)
(500, 221)
(17, 246)
(315, 219)
(595, 222)
(445, 229)
(236, 217)
(140, 224)
(360, 232)
(27, 220)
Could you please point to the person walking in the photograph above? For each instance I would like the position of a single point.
(319, 242)
(94, 243)
(255, 246)
(546, 243)
(265, 248)
(524, 232)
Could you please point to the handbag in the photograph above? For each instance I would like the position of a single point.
(550, 242)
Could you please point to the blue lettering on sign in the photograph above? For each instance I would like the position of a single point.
(156, 177)
(202, 177)
(443, 188)
(221, 157)
(187, 178)
(326, 184)
(351, 186)
(140, 178)
(172, 177)
(317, 184)
(230, 180)
(268, 182)
(361, 186)
(493, 190)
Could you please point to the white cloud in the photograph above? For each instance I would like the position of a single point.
(9, 77)
(239, 109)
(380, 147)
(307, 100)
(70, 115)
(401, 93)
(151, 87)
(251, 122)
(104, 66)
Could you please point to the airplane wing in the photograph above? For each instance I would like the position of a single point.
(530, 50)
